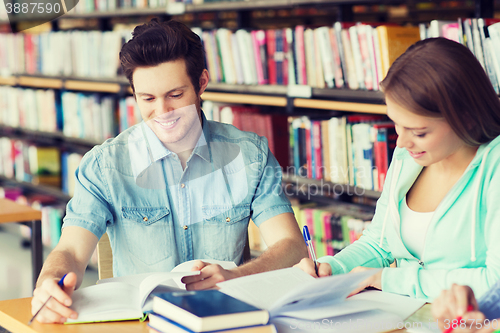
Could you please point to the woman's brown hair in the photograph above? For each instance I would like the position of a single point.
(157, 42)
(437, 77)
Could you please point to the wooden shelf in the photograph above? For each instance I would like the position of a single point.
(8, 80)
(92, 86)
(39, 82)
(339, 106)
(244, 99)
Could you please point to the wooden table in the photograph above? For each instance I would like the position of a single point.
(14, 212)
(15, 314)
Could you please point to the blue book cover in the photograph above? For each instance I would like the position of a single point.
(163, 324)
(207, 310)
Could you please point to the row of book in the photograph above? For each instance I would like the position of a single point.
(481, 36)
(93, 6)
(94, 117)
(350, 55)
(333, 227)
(345, 55)
(250, 118)
(72, 53)
(354, 149)
(26, 162)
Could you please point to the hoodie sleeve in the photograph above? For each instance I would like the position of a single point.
(368, 250)
(480, 274)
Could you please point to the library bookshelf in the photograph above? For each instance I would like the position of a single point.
(276, 98)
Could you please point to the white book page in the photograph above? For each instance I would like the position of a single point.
(403, 306)
(328, 289)
(373, 321)
(111, 301)
(264, 289)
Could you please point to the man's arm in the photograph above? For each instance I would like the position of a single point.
(71, 255)
(286, 247)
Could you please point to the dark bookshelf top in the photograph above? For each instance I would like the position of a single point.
(48, 138)
(32, 188)
(329, 189)
(215, 6)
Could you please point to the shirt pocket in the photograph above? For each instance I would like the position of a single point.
(148, 233)
(225, 231)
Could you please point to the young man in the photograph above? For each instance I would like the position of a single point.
(173, 188)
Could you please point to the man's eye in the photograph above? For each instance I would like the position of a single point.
(148, 99)
(420, 135)
(176, 96)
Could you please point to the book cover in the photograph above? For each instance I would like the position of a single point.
(207, 310)
(271, 50)
(394, 41)
(162, 324)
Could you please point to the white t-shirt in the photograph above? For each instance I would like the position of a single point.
(413, 228)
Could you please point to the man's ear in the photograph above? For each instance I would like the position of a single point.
(204, 79)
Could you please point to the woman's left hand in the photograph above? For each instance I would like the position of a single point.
(374, 281)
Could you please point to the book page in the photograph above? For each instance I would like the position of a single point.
(330, 289)
(263, 289)
(291, 289)
(106, 302)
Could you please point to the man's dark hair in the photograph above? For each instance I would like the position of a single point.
(156, 42)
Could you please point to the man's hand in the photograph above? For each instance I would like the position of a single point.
(453, 303)
(210, 275)
(57, 309)
(307, 265)
(374, 281)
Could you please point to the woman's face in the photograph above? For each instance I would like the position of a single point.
(428, 140)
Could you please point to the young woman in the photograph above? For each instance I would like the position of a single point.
(438, 216)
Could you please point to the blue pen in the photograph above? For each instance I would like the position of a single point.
(312, 254)
(61, 284)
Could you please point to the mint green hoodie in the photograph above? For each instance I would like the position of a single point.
(462, 242)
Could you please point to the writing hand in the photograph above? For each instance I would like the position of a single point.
(57, 309)
(210, 275)
(453, 303)
(374, 281)
(307, 265)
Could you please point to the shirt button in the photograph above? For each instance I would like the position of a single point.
(185, 227)
(228, 219)
(182, 185)
(145, 219)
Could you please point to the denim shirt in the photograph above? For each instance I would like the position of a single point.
(158, 215)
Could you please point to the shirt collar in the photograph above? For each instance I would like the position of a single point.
(159, 151)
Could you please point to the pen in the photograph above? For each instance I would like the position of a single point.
(458, 320)
(61, 284)
(307, 238)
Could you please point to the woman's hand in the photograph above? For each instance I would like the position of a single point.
(307, 265)
(453, 303)
(373, 281)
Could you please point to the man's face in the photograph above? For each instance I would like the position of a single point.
(169, 104)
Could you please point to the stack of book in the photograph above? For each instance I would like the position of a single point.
(206, 311)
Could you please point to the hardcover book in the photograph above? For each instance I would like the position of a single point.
(207, 310)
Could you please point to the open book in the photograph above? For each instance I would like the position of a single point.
(291, 292)
(128, 297)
